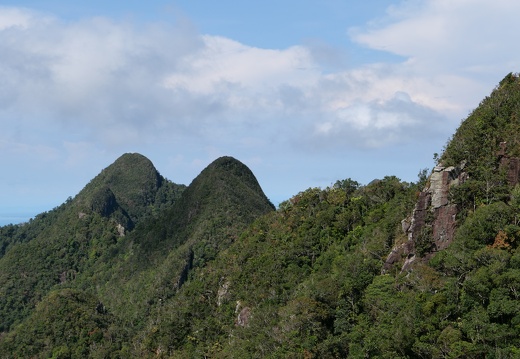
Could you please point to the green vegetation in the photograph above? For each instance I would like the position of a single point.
(289, 275)
(137, 266)
(493, 127)
(66, 323)
(57, 246)
(130, 189)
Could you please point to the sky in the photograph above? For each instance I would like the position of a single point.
(304, 92)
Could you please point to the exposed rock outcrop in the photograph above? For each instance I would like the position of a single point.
(444, 212)
(244, 315)
(223, 292)
(510, 164)
(120, 230)
(431, 226)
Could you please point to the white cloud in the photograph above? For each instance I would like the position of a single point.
(225, 60)
(453, 53)
(117, 83)
(243, 78)
(377, 124)
(77, 94)
(90, 73)
(114, 82)
(17, 18)
(465, 37)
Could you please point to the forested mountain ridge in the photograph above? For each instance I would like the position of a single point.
(386, 270)
(131, 186)
(57, 245)
(480, 166)
(161, 253)
(124, 192)
(88, 249)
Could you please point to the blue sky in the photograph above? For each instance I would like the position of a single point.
(303, 92)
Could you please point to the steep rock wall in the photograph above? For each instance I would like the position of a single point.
(431, 227)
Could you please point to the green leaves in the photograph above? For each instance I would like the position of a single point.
(66, 323)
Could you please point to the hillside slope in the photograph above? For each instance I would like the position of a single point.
(57, 246)
(291, 286)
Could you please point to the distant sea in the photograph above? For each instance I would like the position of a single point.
(15, 218)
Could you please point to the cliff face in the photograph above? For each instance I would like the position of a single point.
(431, 226)
(444, 212)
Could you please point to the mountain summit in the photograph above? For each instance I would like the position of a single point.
(57, 246)
(128, 189)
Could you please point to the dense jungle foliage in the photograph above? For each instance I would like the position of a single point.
(136, 266)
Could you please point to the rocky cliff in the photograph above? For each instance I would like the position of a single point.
(431, 226)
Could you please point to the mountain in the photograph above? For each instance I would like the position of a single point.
(126, 191)
(58, 245)
(162, 253)
(279, 289)
(480, 166)
(138, 267)
(128, 228)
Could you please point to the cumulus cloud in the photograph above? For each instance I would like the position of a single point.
(17, 18)
(463, 48)
(94, 74)
(115, 82)
(453, 53)
(443, 34)
(119, 83)
(378, 124)
(226, 61)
